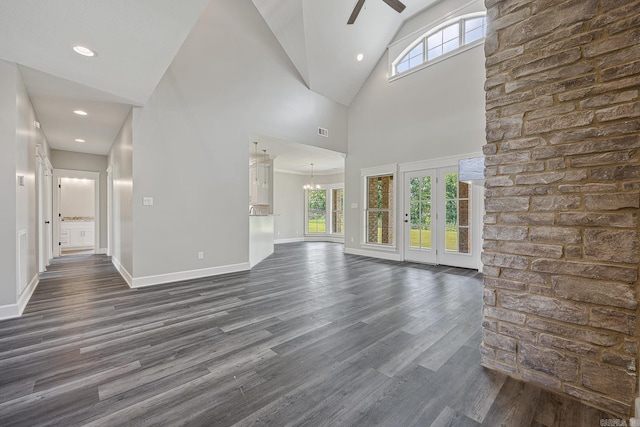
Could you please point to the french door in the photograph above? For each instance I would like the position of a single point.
(438, 218)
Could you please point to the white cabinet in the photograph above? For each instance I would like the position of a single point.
(77, 234)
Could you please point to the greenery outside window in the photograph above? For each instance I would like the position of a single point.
(316, 211)
(458, 214)
(324, 213)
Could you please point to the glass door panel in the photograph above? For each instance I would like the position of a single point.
(418, 219)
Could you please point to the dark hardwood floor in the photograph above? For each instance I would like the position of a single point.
(308, 337)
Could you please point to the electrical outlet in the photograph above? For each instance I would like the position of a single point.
(352, 240)
(200, 255)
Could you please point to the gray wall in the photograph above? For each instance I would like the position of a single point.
(191, 140)
(8, 288)
(18, 139)
(91, 163)
(121, 163)
(432, 113)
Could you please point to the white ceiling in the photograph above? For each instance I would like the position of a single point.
(296, 158)
(136, 40)
(323, 47)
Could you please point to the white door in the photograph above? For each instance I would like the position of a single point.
(438, 218)
(454, 220)
(419, 216)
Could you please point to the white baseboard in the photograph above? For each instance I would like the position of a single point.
(292, 240)
(123, 271)
(11, 311)
(140, 282)
(373, 254)
(28, 292)
(102, 251)
(330, 239)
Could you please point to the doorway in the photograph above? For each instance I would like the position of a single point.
(44, 176)
(76, 204)
(438, 218)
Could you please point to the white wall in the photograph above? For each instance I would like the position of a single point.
(77, 198)
(18, 140)
(432, 113)
(120, 162)
(230, 79)
(8, 183)
(288, 203)
(92, 163)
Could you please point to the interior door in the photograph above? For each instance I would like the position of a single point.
(420, 236)
(454, 223)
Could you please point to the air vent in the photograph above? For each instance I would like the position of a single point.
(323, 132)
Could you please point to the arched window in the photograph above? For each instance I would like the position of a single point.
(441, 40)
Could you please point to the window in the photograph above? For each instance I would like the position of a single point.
(316, 211)
(379, 211)
(458, 214)
(337, 211)
(325, 210)
(443, 39)
(420, 206)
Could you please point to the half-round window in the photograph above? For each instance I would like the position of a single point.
(441, 40)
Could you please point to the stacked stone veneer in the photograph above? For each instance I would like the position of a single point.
(562, 196)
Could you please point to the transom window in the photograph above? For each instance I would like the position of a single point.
(440, 41)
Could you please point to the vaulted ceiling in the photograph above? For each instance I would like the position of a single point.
(323, 47)
(136, 40)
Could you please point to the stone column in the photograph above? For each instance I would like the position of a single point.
(562, 196)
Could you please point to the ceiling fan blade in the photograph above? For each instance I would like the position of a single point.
(397, 5)
(356, 11)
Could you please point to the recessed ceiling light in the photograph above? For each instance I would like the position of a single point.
(84, 51)
(360, 57)
(79, 140)
(80, 112)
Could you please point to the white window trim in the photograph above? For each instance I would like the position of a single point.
(432, 30)
(391, 169)
(328, 211)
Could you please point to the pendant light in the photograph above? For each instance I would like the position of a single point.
(311, 186)
(255, 146)
(265, 184)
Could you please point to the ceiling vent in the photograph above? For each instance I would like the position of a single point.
(323, 132)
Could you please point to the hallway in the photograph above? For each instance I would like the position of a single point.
(310, 336)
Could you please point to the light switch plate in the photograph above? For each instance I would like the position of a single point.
(354, 206)
(147, 201)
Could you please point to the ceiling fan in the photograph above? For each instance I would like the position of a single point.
(397, 5)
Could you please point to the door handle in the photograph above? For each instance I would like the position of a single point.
(406, 220)
(46, 222)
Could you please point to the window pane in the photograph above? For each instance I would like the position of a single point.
(416, 51)
(458, 214)
(464, 240)
(434, 40)
(473, 23)
(450, 45)
(415, 184)
(402, 67)
(338, 210)
(380, 209)
(317, 209)
(434, 53)
(415, 235)
(451, 32)
(474, 35)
